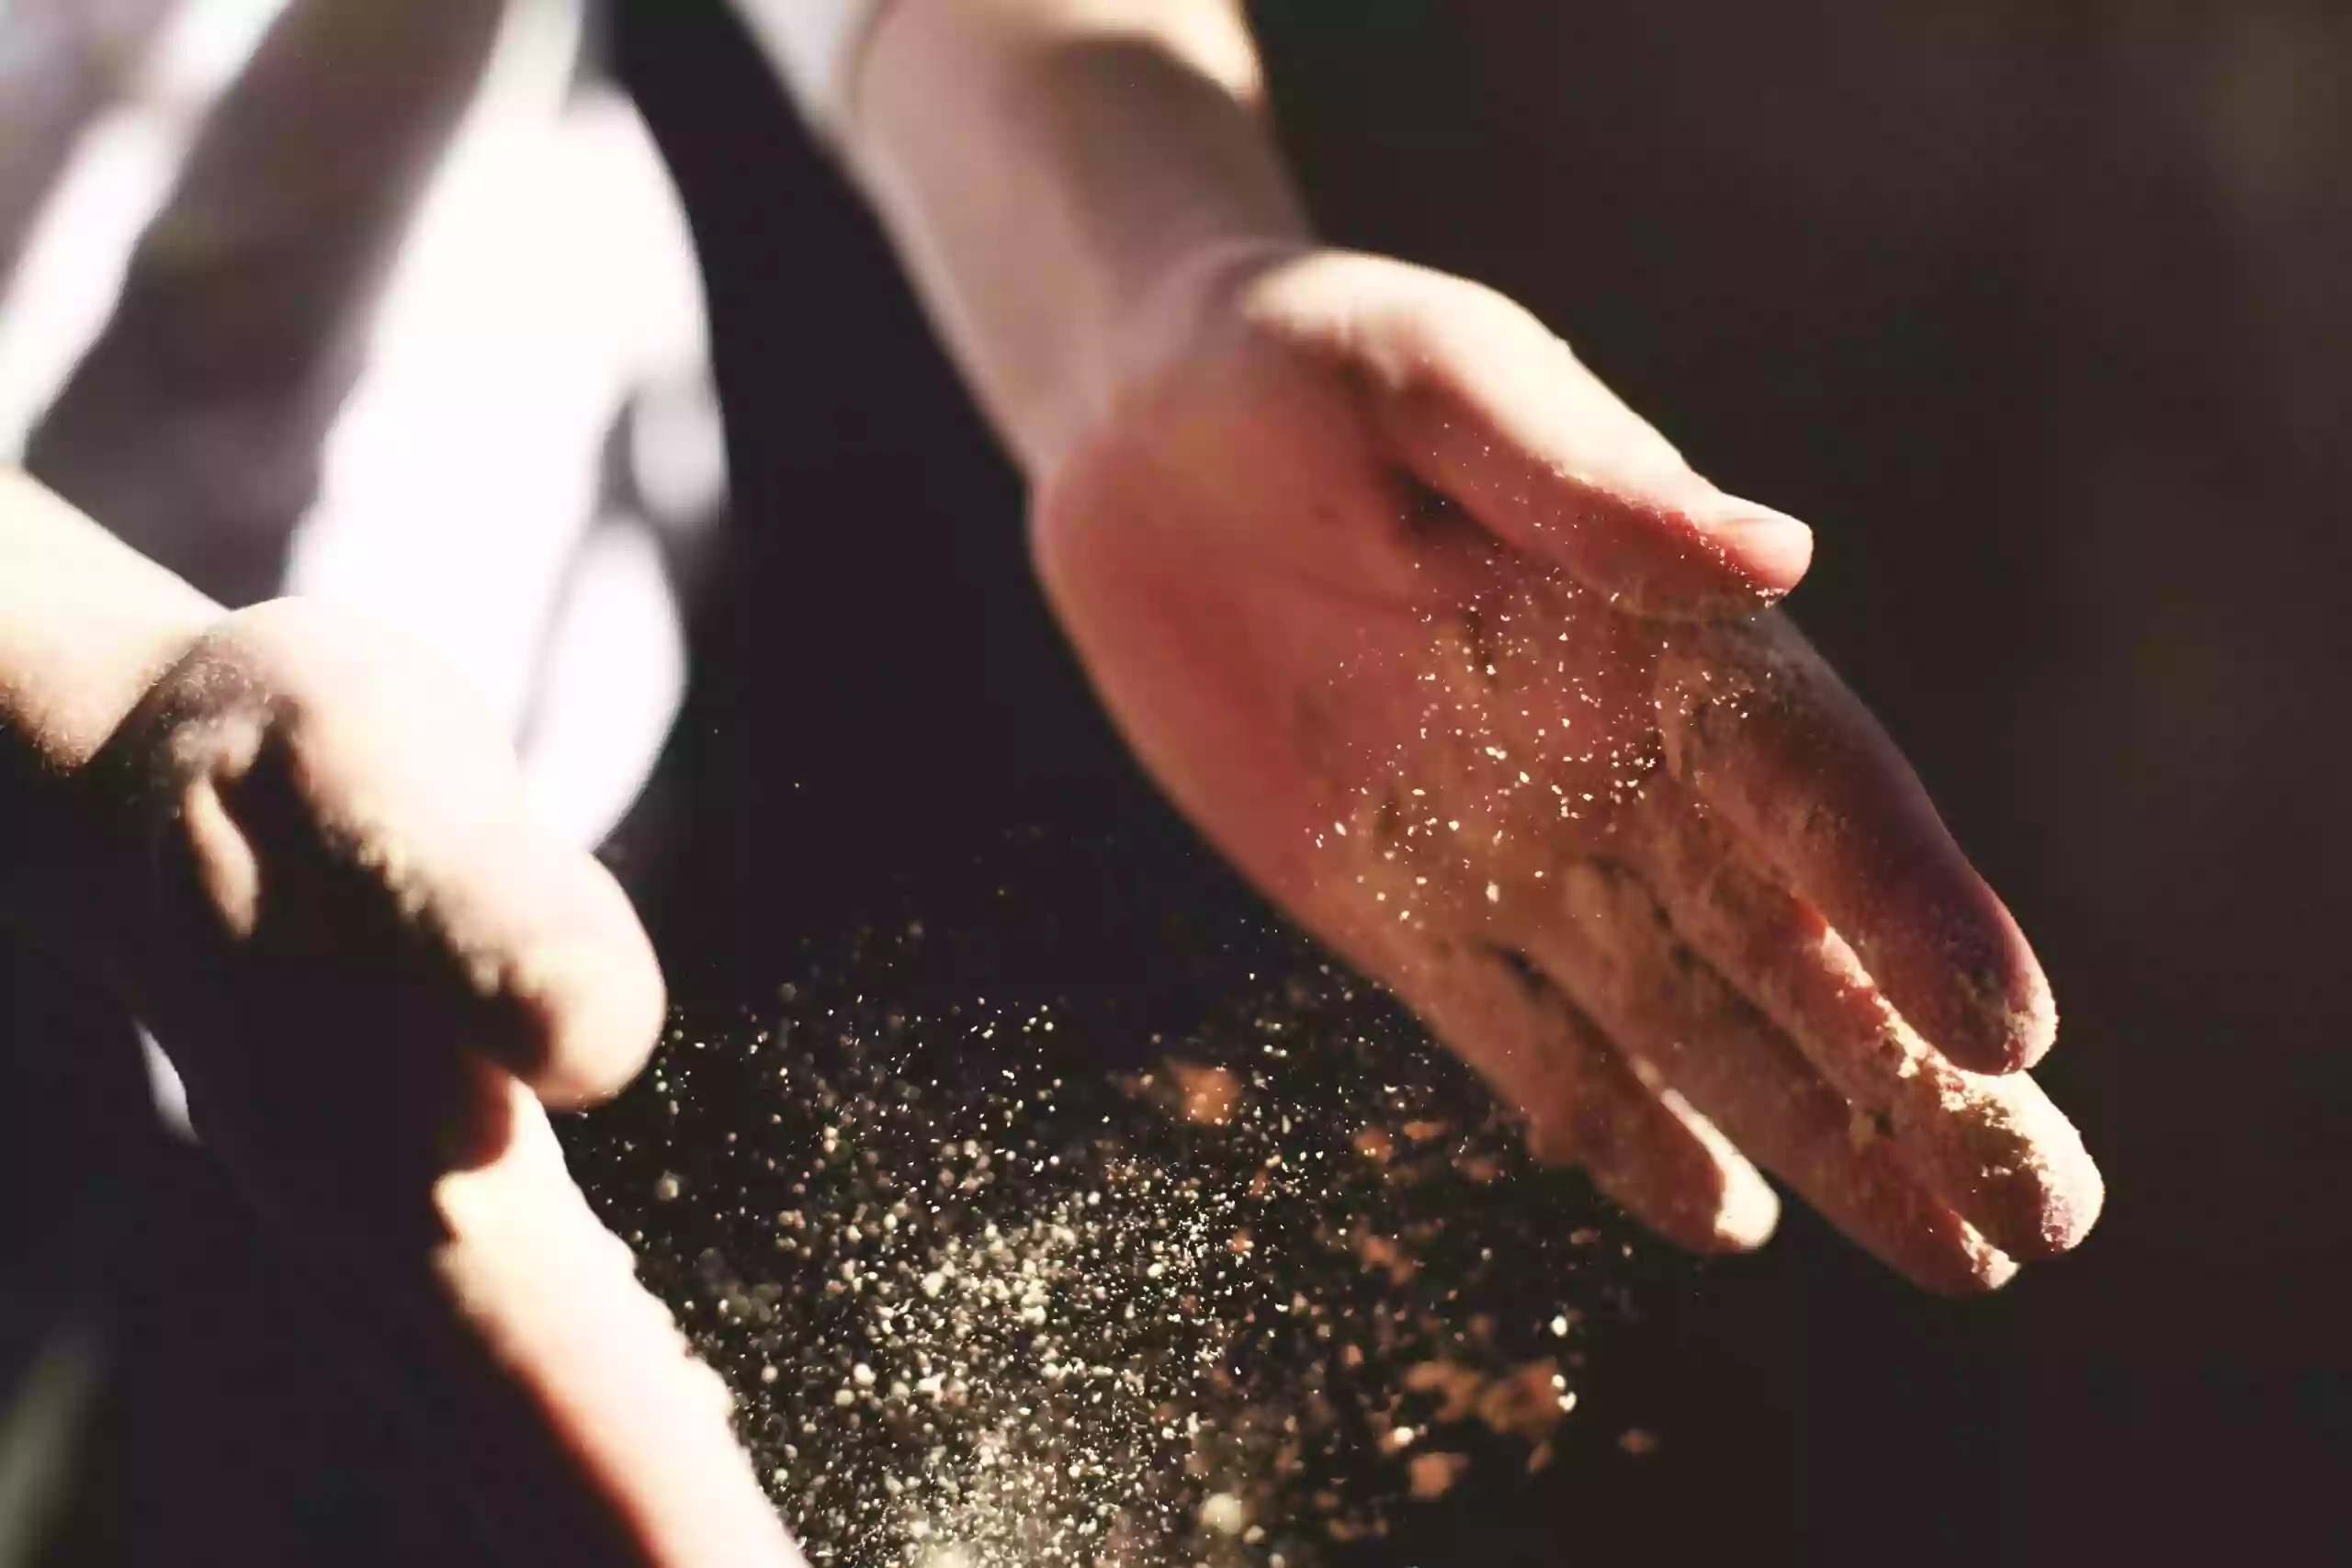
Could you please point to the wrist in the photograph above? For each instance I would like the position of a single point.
(1192, 305)
(87, 629)
(1052, 171)
(1183, 305)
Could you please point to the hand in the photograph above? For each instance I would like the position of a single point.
(303, 858)
(366, 957)
(1459, 660)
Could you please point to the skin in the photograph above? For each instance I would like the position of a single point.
(1353, 552)
(1443, 700)
(299, 851)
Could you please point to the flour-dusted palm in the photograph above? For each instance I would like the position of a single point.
(1457, 659)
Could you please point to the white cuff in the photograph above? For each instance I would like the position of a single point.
(815, 45)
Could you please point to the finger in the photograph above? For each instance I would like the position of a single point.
(496, 1327)
(1652, 1154)
(554, 1298)
(360, 825)
(1496, 413)
(85, 628)
(1992, 1146)
(1679, 1023)
(1760, 728)
(1658, 1159)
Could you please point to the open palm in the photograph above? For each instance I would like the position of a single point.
(1454, 656)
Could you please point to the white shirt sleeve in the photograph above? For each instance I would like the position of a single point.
(814, 44)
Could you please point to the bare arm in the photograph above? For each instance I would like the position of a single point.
(1042, 164)
(297, 850)
(1455, 655)
(87, 627)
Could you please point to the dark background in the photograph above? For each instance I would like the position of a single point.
(2037, 313)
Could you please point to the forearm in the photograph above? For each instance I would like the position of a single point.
(87, 627)
(1044, 166)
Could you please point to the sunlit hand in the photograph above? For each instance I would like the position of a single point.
(1461, 662)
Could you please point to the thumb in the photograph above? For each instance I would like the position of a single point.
(1490, 410)
(552, 1296)
(340, 832)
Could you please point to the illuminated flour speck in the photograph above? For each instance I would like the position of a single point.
(1225, 1513)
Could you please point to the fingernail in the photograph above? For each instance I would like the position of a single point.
(1770, 547)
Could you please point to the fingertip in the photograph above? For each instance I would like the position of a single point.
(1772, 550)
(596, 1004)
(1981, 987)
(1661, 1162)
(1986, 1268)
(1745, 1209)
(1748, 1212)
(1946, 1256)
(2078, 1215)
(1735, 1212)
(2030, 1019)
(561, 989)
(1703, 555)
(1604, 499)
(582, 985)
(2071, 1216)
(1989, 1011)
(2071, 1196)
